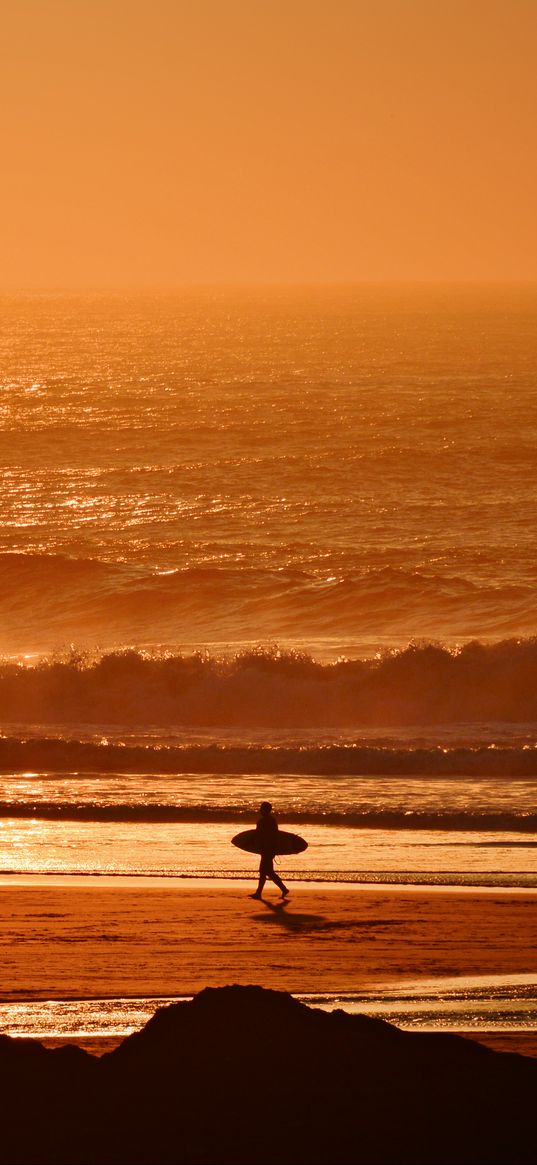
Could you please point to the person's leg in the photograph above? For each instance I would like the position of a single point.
(262, 878)
(277, 880)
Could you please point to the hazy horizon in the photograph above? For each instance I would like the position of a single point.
(169, 144)
(268, 285)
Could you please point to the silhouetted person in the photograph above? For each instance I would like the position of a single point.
(267, 828)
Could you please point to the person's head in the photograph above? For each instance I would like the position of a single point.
(265, 808)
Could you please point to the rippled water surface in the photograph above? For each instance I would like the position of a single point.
(331, 467)
(229, 518)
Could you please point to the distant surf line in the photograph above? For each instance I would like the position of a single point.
(445, 821)
(53, 754)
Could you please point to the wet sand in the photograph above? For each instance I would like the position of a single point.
(91, 938)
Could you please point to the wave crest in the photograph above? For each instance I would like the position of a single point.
(47, 599)
(268, 688)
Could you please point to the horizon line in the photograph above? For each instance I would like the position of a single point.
(257, 285)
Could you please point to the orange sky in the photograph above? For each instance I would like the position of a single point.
(168, 141)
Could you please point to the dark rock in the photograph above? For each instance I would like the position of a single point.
(252, 1077)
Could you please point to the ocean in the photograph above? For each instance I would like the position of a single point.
(270, 543)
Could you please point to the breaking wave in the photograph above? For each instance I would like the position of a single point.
(53, 755)
(426, 683)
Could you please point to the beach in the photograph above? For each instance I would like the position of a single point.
(126, 939)
(68, 941)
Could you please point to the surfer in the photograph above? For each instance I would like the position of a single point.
(267, 828)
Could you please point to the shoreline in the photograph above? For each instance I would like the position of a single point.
(178, 881)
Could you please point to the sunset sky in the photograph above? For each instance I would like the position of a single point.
(163, 142)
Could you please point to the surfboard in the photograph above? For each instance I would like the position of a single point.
(286, 843)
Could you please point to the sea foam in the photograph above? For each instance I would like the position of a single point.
(425, 683)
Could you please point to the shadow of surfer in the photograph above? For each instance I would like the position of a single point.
(295, 923)
(267, 830)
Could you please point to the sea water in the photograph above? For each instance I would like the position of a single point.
(459, 831)
(280, 543)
